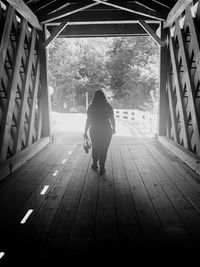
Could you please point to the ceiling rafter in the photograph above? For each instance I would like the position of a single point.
(52, 7)
(165, 3)
(154, 6)
(57, 30)
(40, 4)
(103, 16)
(152, 33)
(65, 12)
(137, 10)
(21, 7)
(176, 11)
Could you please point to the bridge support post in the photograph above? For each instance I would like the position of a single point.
(44, 97)
(163, 102)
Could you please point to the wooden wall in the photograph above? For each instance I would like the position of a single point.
(180, 115)
(24, 106)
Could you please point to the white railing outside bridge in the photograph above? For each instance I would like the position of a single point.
(144, 119)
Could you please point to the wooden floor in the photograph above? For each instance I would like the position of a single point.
(147, 204)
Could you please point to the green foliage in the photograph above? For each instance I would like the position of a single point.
(133, 68)
(125, 68)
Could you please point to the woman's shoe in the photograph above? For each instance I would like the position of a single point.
(94, 167)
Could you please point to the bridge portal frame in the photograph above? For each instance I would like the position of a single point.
(25, 125)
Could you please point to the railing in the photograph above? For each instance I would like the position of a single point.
(145, 120)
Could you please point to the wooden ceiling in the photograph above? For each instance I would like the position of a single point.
(100, 17)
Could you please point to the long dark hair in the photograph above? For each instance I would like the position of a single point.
(99, 99)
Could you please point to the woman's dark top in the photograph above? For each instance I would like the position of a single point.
(100, 117)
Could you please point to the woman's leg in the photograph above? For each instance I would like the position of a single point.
(95, 150)
(103, 151)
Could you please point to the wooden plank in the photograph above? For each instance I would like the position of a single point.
(106, 236)
(58, 212)
(23, 197)
(130, 235)
(82, 243)
(48, 178)
(187, 189)
(8, 112)
(190, 87)
(54, 34)
(38, 166)
(151, 32)
(153, 232)
(32, 235)
(165, 197)
(184, 169)
(176, 11)
(6, 37)
(24, 94)
(178, 93)
(186, 209)
(26, 12)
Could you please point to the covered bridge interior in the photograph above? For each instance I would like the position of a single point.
(28, 27)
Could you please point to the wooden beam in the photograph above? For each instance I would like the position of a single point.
(177, 10)
(102, 30)
(153, 6)
(172, 108)
(52, 7)
(54, 34)
(8, 112)
(190, 87)
(163, 107)
(185, 155)
(6, 37)
(151, 32)
(33, 104)
(164, 3)
(179, 94)
(26, 12)
(136, 10)
(65, 12)
(44, 96)
(24, 94)
(82, 22)
(37, 5)
(9, 166)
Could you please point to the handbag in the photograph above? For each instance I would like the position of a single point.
(87, 145)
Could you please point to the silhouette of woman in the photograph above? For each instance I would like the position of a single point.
(101, 124)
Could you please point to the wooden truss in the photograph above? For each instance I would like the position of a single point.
(183, 80)
(24, 100)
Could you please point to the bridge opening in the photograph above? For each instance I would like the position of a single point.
(125, 68)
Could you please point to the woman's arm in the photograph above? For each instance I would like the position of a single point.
(87, 125)
(112, 119)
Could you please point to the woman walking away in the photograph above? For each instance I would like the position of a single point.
(101, 124)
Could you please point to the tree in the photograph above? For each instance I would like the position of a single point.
(125, 68)
(133, 68)
(77, 66)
